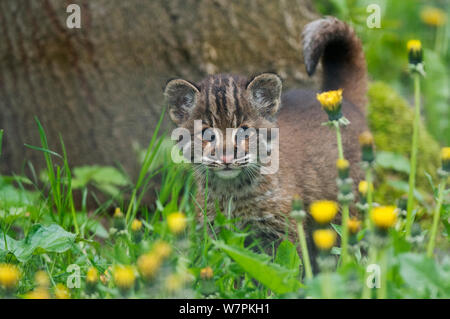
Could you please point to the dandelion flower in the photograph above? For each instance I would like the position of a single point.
(92, 275)
(363, 187)
(61, 292)
(433, 16)
(42, 279)
(38, 293)
(384, 216)
(343, 168)
(206, 273)
(177, 222)
(445, 158)
(124, 277)
(9, 276)
(118, 213)
(162, 249)
(366, 142)
(415, 54)
(323, 211)
(353, 225)
(331, 102)
(136, 225)
(324, 239)
(148, 265)
(174, 283)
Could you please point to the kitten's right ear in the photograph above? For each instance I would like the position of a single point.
(181, 97)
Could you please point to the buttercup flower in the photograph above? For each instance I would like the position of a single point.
(124, 277)
(206, 273)
(9, 276)
(323, 211)
(445, 158)
(415, 54)
(61, 292)
(331, 102)
(353, 225)
(324, 239)
(38, 293)
(384, 216)
(177, 222)
(433, 16)
(41, 278)
(148, 265)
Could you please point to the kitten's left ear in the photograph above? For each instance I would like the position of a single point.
(265, 93)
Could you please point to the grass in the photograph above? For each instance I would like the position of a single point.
(154, 251)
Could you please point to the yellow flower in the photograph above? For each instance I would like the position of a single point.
(384, 216)
(330, 100)
(92, 275)
(365, 139)
(174, 282)
(118, 213)
(363, 187)
(162, 249)
(353, 225)
(136, 225)
(324, 238)
(323, 211)
(342, 164)
(9, 276)
(414, 45)
(38, 293)
(445, 154)
(148, 265)
(206, 273)
(433, 16)
(61, 292)
(414, 52)
(124, 277)
(42, 279)
(177, 222)
(445, 158)
(106, 276)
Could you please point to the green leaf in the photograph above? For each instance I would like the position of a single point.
(424, 275)
(40, 239)
(287, 256)
(404, 186)
(392, 161)
(275, 277)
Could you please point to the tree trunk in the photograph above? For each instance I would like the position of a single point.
(100, 86)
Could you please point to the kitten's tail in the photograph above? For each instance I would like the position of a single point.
(343, 61)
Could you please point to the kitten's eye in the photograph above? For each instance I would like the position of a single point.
(211, 137)
(240, 132)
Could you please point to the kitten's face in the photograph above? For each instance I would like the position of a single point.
(224, 114)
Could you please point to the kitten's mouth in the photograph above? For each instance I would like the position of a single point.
(227, 173)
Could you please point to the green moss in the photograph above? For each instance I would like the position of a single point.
(390, 119)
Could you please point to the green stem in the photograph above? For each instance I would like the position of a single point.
(436, 217)
(369, 197)
(382, 291)
(367, 292)
(412, 173)
(205, 222)
(339, 141)
(305, 254)
(327, 288)
(344, 238)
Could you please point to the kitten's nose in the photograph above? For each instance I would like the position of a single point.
(227, 159)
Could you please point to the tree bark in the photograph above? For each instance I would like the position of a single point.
(100, 86)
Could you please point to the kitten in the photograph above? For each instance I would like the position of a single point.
(307, 150)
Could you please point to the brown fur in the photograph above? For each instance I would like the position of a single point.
(308, 150)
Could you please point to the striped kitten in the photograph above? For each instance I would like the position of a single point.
(307, 150)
